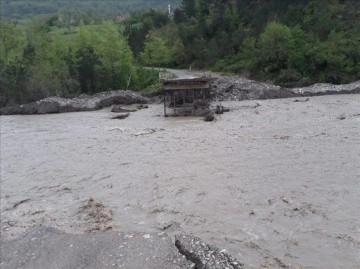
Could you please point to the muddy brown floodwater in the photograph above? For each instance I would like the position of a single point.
(276, 185)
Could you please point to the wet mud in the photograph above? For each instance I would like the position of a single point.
(276, 183)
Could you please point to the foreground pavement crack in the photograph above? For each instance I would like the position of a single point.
(189, 255)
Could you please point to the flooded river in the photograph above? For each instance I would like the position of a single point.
(276, 185)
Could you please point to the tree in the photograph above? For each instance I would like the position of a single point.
(201, 9)
(155, 51)
(249, 55)
(179, 16)
(299, 45)
(10, 39)
(275, 44)
(178, 52)
(17, 75)
(87, 61)
(321, 17)
(116, 58)
(189, 8)
(336, 60)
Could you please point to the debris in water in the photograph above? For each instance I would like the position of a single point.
(250, 106)
(282, 137)
(209, 117)
(220, 109)
(119, 109)
(148, 131)
(20, 202)
(147, 236)
(142, 106)
(284, 199)
(117, 129)
(301, 101)
(97, 216)
(121, 116)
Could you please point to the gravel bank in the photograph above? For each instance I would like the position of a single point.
(81, 103)
(238, 89)
(224, 89)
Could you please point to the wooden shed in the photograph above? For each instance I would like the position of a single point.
(182, 95)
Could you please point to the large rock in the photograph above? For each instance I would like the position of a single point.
(81, 103)
(237, 89)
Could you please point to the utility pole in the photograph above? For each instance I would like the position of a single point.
(169, 9)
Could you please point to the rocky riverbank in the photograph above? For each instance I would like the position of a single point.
(223, 88)
(238, 89)
(81, 103)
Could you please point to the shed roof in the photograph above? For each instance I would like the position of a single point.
(186, 84)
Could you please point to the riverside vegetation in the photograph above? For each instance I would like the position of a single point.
(81, 48)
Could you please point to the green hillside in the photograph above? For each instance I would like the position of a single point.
(84, 48)
(18, 9)
(289, 42)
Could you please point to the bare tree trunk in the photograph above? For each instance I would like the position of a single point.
(19, 93)
(127, 87)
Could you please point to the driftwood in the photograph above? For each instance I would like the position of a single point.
(121, 116)
(301, 101)
(119, 109)
(220, 109)
(146, 132)
(142, 106)
(20, 202)
(209, 117)
(201, 104)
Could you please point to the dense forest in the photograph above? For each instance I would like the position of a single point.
(288, 42)
(75, 50)
(70, 52)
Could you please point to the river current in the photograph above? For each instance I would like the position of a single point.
(275, 182)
